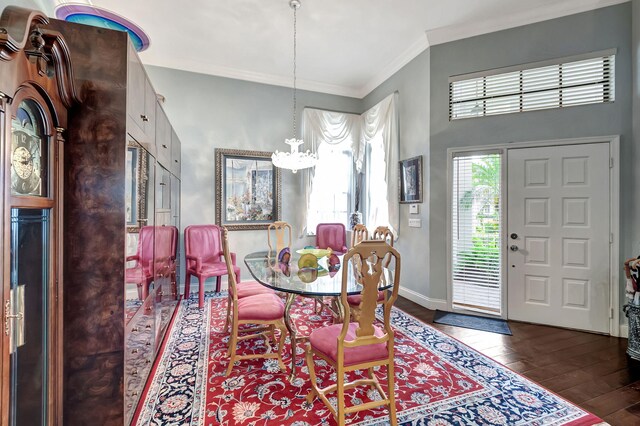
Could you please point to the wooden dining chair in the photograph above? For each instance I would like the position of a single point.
(381, 233)
(359, 233)
(279, 229)
(265, 309)
(358, 343)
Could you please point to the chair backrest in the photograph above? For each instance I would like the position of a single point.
(359, 233)
(231, 279)
(203, 241)
(331, 235)
(279, 229)
(366, 261)
(146, 247)
(383, 233)
(166, 241)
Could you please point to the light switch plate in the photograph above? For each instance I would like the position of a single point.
(414, 208)
(415, 223)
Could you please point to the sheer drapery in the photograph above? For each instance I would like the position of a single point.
(379, 132)
(338, 132)
(372, 135)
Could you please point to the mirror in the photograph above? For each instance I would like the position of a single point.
(139, 196)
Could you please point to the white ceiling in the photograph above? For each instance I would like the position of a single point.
(345, 47)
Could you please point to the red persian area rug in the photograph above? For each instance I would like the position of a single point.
(439, 381)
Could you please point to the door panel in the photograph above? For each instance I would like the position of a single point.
(29, 338)
(558, 262)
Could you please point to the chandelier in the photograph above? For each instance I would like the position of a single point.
(295, 159)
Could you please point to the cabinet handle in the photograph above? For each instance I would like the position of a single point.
(134, 372)
(176, 161)
(148, 326)
(164, 146)
(162, 184)
(135, 329)
(147, 344)
(134, 351)
(144, 117)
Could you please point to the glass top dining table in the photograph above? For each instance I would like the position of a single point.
(325, 280)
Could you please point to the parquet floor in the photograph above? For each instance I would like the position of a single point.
(590, 370)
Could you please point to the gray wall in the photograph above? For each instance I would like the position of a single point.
(586, 32)
(210, 112)
(412, 85)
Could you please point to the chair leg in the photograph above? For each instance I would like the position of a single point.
(187, 286)
(140, 295)
(312, 376)
(233, 341)
(226, 320)
(391, 394)
(218, 283)
(201, 281)
(340, 414)
(283, 336)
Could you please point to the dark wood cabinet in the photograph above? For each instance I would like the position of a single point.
(116, 189)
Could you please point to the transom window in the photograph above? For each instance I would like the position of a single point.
(573, 81)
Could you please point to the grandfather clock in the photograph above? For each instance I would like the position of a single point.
(36, 90)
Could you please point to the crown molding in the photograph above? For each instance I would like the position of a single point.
(394, 66)
(255, 77)
(543, 13)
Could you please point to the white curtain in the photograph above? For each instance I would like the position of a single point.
(320, 127)
(382, 121)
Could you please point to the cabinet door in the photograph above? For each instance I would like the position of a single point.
(176, 153)
(163, 137)
(149, 115)
(136, 81)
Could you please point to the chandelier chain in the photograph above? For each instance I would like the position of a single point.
(295, 33)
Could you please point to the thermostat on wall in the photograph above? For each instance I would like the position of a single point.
(414, 208)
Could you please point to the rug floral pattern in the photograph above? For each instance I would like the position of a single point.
(439, 381)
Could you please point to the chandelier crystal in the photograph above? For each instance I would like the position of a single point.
(295, 159)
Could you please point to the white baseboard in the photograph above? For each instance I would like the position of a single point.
(423, 300)
(624, 331)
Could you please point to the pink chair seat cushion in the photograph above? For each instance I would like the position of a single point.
(325, 340)
(261, 307)
(135, 275)
(357, 298)
(216, 268)
(251, 288)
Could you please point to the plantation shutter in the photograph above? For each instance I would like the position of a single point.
(581, 80)
(476, 233)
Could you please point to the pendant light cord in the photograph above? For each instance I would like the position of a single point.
(295, 33)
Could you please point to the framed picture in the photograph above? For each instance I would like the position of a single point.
(137, 182)
(411, 180)
(247, 189)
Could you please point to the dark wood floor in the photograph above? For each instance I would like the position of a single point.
(590, 370)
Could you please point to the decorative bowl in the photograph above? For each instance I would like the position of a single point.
(315, 252)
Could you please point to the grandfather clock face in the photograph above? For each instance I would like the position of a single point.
(28, 152)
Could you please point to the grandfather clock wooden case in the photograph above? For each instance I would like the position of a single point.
(88, 159)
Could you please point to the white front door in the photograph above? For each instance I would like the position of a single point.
(558, 236)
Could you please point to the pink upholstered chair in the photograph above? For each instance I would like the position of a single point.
(141, 273)
(166, 244)
(204, 258)
(333, 236)
(358, 343)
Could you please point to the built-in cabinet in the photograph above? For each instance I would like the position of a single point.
(155, 192)
(122, 221)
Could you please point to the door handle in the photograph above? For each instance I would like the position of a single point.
(513, 248)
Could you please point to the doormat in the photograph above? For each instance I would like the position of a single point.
(493, 325)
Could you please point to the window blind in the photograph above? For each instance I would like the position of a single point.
(534, 87)
(476, 233)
